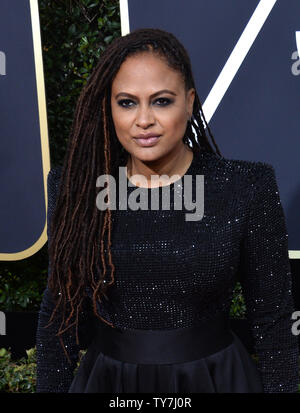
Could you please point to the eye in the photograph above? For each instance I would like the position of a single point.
(164, 101)
(124, 103)
(128, 103)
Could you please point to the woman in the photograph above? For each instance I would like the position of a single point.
(147, 291)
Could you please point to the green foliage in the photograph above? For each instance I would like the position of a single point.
(23, 282)
(74, 34)
(238, 306)
(18, 376)
(80, 359)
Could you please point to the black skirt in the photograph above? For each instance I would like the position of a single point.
(207, 358)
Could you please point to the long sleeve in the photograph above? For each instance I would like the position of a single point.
(54, 372)
(267, 286)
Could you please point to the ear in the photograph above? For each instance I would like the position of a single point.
(190, 97)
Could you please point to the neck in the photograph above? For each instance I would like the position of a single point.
(175, 163)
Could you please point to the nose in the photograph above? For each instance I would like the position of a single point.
(144, 116)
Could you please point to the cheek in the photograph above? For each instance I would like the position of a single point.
(121, 119)
(175, 121)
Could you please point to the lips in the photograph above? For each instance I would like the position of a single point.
(147, 140)
(147, 135)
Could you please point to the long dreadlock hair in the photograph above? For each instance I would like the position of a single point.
(80, 231)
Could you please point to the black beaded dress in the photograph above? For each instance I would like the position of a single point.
(172, 273)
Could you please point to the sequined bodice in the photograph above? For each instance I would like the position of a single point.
(182, 269)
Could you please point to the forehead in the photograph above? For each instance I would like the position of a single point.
(144, 72)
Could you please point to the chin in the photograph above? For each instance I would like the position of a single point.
(147, 156)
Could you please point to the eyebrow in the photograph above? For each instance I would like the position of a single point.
(151, 96)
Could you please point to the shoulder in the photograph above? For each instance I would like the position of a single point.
(237, 166)
(241, 177)
(245, 170)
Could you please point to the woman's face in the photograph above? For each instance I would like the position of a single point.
(148, 97)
